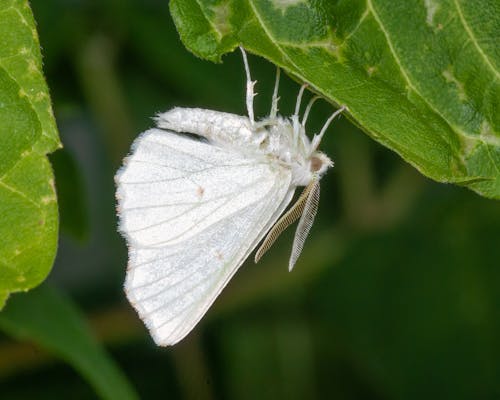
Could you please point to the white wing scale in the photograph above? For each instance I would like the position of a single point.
(191, 213)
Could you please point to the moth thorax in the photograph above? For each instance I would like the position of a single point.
(319, 163)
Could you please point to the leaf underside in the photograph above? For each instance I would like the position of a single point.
(422, 77)
(28, 204)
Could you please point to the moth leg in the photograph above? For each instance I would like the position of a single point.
(250, 86)
(295, 116)
(308, 110)
(317, 138)
(274, 104)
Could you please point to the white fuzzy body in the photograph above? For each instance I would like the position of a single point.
(272, 138)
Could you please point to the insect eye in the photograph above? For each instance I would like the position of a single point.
(316, 164)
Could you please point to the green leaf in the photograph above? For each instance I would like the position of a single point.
(52, 321)
(421, 77)
(28, 204)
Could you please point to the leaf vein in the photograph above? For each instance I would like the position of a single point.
(360, 22)
(209, 20)
(19, 193)
(454, 128)
(273, 39)
(474, 40)
(491, 158)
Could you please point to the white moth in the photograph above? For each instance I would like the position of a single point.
(192, 208)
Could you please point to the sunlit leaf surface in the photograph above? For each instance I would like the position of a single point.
(28, 204)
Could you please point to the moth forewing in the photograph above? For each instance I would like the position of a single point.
(183, 248)
(306, 222)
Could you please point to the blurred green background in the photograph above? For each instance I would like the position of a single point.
(396, 296)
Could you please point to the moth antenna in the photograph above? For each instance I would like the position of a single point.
(317, 138)
(308, 110)
(306, 221)
(295, 116)
(250, 86)
(284, 222)
(274, 104)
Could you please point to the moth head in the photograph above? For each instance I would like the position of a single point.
(319, 163)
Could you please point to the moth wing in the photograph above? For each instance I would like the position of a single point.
(191, 213)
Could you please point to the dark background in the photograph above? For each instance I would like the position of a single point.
(395, 297)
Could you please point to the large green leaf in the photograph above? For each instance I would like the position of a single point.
(420, 76)
(50, 320)
(28, 204)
